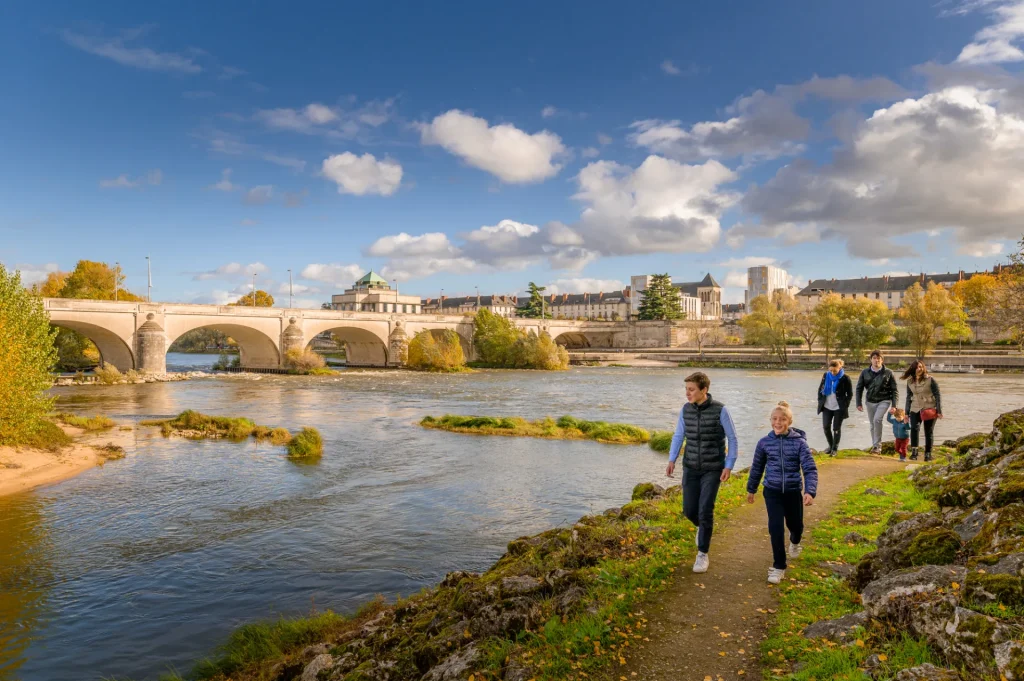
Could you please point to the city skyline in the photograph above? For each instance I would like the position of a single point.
(492, 149)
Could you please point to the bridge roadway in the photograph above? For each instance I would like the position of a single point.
(137, 335)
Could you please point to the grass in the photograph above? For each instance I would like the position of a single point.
(276, 436)
(87, 423)
(110, 452)
(48, 436)
(197, 426)
(306, 444)
(618, 365)
(811, 592)
(108, 374)
(661, 441)
(565, 428)
(322, 371)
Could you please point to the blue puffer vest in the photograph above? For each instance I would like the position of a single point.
(780, 459)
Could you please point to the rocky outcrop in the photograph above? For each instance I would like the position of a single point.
(839, 629)
(928, 672)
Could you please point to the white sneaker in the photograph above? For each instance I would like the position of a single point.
(795, 550)
(702, 562)
(775, 575)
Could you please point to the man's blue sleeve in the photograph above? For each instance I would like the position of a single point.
(677, 438)
(730, 435)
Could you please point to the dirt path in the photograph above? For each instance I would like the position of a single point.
(710, 626)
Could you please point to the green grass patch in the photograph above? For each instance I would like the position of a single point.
(84, 422)
(811, 592)
(110, 452)
(661, 441)
(197, 426)
(565, 428)
(307, 444)
(47, 436)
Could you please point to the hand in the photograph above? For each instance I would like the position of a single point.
(671, 467)
(726, 472)
(859, 408)
(750, 498)
(939, 414)
(808, 500)
(892, 410)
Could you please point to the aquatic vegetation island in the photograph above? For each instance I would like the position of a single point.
(196, 426)
(565, 428)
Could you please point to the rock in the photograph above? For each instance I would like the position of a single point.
(1010, 660)
(918, 539)
(1008, 430)
(648, 490)
(510, 617)
(880, 596)
(522, 585)
(456, 667)
(1002, 531)
(1008, 486)
(515, 671)
(310, 652)
(970, 525)
(996, 579)
(855, 538)
(964, 444)
(843, 570)
(319, 663)
(838, 629)
(875, 492)
(568, 600)
(613, 512)
(453, 578)
(928, 672)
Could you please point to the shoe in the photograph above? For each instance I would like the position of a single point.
(913, 454)
(702, 562)
(877, 449)
(902, 458)
(927, 456)
(795, 550)
(775, 575)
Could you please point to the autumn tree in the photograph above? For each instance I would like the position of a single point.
(660, 300)
(263, 299)
(925, 311)
(863, 324)
(27, 356)
(803, 326)
(771, 321)
(826, 317)
(436, 352)
(1007, 308)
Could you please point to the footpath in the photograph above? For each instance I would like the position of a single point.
(710, 626)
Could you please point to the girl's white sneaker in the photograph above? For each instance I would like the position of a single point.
(794, 550)
(701, 564)
(775, 575)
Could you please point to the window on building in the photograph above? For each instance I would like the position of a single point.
(890, 294)
(877, 296)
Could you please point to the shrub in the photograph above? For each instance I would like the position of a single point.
(307, 444)
(108, 374)
(442, 352)
(322, 371)
(85, 422)
(110, 452)
(202, 425)
(303, 361)
(47, 435)
(27, 356)
(276, 436)
(661, 440)
(500, 343)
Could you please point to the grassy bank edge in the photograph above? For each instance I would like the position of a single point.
(565, 428)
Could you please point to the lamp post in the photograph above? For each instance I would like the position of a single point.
(254, 289)
(149, 285)
(395, 282)
(477, 297)
(289, 289)
(117, 269)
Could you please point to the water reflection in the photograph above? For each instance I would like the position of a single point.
(153, 559)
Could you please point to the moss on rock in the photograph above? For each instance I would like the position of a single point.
(963, 489)
(933, 547)
(1003, 531)
(982, 588)
(969, 442)
(1009, 429)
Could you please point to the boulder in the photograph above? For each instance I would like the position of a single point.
(1010, 660)
(838, 629)
(456, 667)
(317, 665)
(855, 538)
(876, 492)
(1008, 430)
(996, 579)
(967, 527)
(919, 539)
(928, 672)
(964, 489)
(1008, 486)
(648, 490)
(882, 595)
(516, 671)
(508, 618)
(453, 578)
(521, 585)
(1002, 531)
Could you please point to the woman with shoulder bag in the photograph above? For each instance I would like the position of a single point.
(924, 404)
(835, 392)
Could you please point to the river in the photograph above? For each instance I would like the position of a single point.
(149, 562)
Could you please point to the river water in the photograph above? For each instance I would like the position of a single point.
(149, 562)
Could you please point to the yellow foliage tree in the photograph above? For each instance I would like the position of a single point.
(263, 299)
(925, 311)
(440, 351)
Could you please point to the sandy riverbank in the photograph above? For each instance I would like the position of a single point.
(24, 468)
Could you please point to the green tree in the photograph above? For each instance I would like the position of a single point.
(826, 318)
(864, 324)
(535, 308)
(27, 356)
(440, 352)
(770, 323)
(660, 300)
(925, 311)
(493, 336)
(263, 299)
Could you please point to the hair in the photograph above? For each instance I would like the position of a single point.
(900, 414)
(783, 406)
(699, 379)
(911, 372)
(877, 353)
(837, 363)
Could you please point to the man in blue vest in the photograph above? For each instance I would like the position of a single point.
(705, 425)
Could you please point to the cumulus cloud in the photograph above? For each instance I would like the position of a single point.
(584, 285)
(361, 175)
(949, 159)
(118, 49)
(152, 178)
(590, 152)
(338, 122)
(406, 245)
(225, 184)
(548, 112)
(259, 195)
(503, 150)
(981, 249)
(994, 44)
(297, 289)
(232, 270)
(735, 279)
(335, 274)
(671, 69)
(748, 261)
(35, 274)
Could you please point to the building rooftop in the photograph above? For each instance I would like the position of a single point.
(689, 288)
(457, 302)
(371, 278)
(601, 298)
(882, 284)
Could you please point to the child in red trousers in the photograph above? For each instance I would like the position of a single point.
(900, 431)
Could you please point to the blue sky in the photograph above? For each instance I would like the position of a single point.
(466, 144)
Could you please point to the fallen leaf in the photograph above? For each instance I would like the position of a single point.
(859, 643)
(882, 657)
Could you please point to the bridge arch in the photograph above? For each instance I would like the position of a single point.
(463, 331)
(363, 347)
(574, 340)
(113, 349)
(257, 350)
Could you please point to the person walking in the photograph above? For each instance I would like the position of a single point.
(879, 388)
(705, 426)
(835, 392)
(781, 456)
(924, 404)
(900, 431)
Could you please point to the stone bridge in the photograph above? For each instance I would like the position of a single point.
(137, 335)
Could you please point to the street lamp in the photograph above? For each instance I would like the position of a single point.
(117, 269)
(477, 297)
(254, 289)
(149, 286)
(289, 289)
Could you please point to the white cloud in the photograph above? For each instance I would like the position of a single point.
(404, 269)
(995, 43)
(362, 175)
(503, 150)
(333, 273)
(949, 159)
(317, 118)
(259, 195)
(232, 270)
(296, 164)
(548, 112)
(584, 285)
(590, 152)
(225, 184)
(406, 245)
(144, 58)
(981, 249)
(295, 199)
(671, 69)
(297, 289)
(748, 261)
(153, 178)
(735, 279)
(35, 274)
(603, 139)
(248, 222)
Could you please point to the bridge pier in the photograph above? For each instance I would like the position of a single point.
(151, 347)
(398, 346)
(292, 338)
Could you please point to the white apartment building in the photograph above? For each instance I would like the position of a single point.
(697, 299)
(764, 280)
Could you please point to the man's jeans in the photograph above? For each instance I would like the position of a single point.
(876, 417)
(700, 488)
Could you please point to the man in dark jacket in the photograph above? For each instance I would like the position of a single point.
(705, 425)
(882, 393)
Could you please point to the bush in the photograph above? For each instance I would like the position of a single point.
(276, 436)
(661, 440)
(202, 425)
(47, 435)
(303, 361)
(85, 422)
(499, 343)
(442, 352)
(27, 356)
(108, 374)
(565, 428)
(307, 444)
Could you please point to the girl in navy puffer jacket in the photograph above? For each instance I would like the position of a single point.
(781, 457)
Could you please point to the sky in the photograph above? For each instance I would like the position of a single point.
(469, 146)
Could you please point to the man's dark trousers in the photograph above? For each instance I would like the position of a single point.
(700, 488)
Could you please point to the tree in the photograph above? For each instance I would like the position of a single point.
(925, 311)
(660, 300)
(770, 322)
(263, 299)
(803, 326)
(826, 318)
(863, 324)
(705, 331)
(96, 281)
(535, 308)
(975, 295)
(493, 336)
(442, 352)
(1006, 313)
(27, 355)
